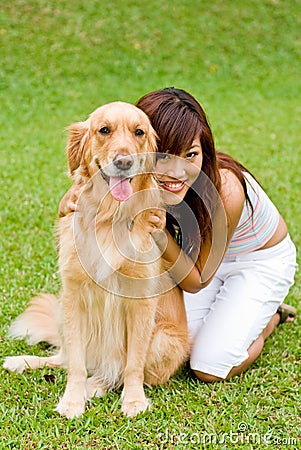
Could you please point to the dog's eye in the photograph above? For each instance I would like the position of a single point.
(139, 132)
(104, 130)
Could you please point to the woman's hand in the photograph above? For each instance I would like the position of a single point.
(156, 224)
(68, 203)
(156, 220)
(153, 221)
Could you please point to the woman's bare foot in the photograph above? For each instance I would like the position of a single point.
(286, 313)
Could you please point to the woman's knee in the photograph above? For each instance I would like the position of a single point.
(206, 377)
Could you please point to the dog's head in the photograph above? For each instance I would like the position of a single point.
(117, 140)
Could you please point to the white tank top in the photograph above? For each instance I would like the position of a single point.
(254, 230)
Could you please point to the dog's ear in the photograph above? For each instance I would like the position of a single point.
(77, 144)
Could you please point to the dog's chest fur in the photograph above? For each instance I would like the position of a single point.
(106, 262)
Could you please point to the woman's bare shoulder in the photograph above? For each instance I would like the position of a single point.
(233, 196)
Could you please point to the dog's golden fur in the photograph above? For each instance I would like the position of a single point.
(113, 325)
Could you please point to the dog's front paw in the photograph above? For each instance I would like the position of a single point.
(70, 408)
(134, 407)
(15, 364)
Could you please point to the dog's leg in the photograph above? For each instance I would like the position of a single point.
(20, 363)
(169, 347)
(140, 323)
(168, 350)
(72, 404)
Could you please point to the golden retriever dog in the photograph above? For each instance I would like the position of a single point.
(120, 320)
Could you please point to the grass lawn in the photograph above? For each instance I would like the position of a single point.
(61, 59)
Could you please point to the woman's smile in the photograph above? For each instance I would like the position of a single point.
(176, 174)
(172, 186)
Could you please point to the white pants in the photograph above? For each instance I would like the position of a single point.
(229, 314)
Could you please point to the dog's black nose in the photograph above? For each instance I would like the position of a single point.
(123, 162)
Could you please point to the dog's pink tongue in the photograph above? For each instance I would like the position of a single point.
(120, 188)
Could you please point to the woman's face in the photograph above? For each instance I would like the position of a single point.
(177, 173)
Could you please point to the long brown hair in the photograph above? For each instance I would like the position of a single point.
(178, 118)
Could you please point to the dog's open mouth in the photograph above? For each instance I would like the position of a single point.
(120, 187)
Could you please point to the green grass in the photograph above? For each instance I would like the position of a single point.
(59, 61)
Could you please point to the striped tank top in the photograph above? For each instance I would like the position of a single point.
(254, 230)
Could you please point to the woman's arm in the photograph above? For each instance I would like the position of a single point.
(183, 269)
(68, 203)
(191, 275)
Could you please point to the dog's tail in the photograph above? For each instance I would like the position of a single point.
(39, 322)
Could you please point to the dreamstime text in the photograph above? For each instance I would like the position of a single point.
(240, 436)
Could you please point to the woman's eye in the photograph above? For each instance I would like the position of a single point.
(191, 155)
(162, 156)
(139, 132)
(104, 130)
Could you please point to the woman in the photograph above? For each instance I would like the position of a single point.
(228, 245)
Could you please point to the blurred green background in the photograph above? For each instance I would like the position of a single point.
(59, 61)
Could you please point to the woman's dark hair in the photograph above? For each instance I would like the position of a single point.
(178, 118)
